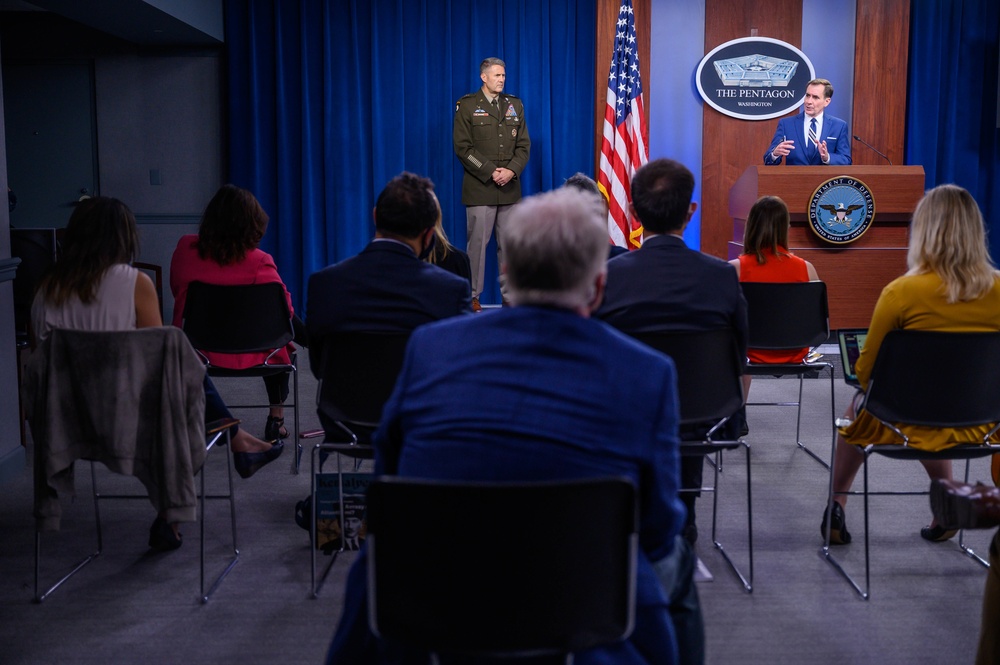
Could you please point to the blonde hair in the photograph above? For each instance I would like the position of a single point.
(442, 246)
(766, 228)
(948, 237)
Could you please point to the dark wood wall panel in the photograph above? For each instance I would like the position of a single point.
(880, 65)
(729, 145)
(607, 17)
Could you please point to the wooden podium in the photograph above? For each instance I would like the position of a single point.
(854, 273)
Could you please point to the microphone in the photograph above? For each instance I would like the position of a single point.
(876, 150)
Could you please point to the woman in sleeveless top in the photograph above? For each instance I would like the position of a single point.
(92, 286)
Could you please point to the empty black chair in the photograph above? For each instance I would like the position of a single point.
(933, 379)
(783, 317)
(710, 390)
(246, 318)
(357, 373)
(562, 580)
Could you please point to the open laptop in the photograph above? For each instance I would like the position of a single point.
(851, 341)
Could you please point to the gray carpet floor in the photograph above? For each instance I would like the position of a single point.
(134, 606)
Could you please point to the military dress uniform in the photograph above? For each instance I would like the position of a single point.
(487, 137)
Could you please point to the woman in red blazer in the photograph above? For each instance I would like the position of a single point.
(225, 252)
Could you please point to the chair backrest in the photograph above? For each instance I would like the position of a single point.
(502, 569)
(246, 318)
(358, 373)
(709, 367)
(937, 379)
(786, 315)
(37, 250)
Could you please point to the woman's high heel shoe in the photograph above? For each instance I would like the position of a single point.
(838, 526)
(275, 429)
(248, 464)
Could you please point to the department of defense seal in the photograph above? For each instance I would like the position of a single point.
(841, 210)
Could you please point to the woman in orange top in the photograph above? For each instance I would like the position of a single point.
(766, 258)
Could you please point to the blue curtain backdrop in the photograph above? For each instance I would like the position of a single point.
(952, 123)
(329, 99)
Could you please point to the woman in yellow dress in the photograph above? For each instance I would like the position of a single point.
(950, 285)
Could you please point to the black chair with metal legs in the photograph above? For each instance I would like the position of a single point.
(129, 400)
(357, 374)
(932, 379)
(443, 578)
(248, 318)
(784, 317)
(709, 367)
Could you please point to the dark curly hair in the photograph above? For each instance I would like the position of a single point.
(407, 206)
(100, 233)
(232, 225)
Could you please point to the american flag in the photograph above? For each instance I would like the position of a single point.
(625, 145)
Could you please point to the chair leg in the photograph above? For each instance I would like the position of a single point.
(825, 550)
(232, 516)
(39, 597)
(747, 583)
(297, 458)
(833, 417)
(798, 412)
(969, 552)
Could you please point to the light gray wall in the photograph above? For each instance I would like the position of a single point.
(161, 115)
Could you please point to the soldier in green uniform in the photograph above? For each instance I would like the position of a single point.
(491, 140)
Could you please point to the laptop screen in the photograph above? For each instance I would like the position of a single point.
(852, 340)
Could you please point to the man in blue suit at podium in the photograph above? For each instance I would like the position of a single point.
(811, 138)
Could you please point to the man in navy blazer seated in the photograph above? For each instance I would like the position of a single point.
(811, 138)
(664, 285)
(534, 392)
(387, 287)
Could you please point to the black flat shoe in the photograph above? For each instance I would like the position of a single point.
(838, 526)
(937, 534)
(162, 538)
(275, 429)
(248, 464)
(303, 513)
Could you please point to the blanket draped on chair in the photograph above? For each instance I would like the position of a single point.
(134, 400)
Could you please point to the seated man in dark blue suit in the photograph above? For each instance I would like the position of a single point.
(811, 138)
(529, 393)
(665, 286)
(387, 287)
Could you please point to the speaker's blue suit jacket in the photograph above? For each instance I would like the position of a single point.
(834, 132)
(535, 393)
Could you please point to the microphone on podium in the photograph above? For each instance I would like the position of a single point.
(876, 150)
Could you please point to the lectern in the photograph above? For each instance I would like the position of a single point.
(856, 272)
